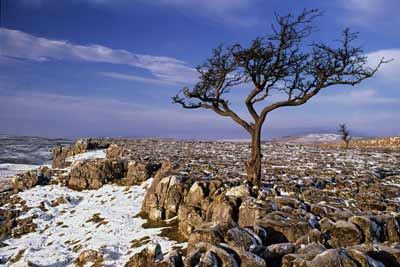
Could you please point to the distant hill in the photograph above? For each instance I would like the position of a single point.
(312, 138)
(27, 149)
(390, 142)
(334, 140)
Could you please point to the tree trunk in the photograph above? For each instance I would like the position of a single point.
(253, 166)
(347, 144)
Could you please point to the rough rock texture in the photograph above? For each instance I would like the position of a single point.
(345, 234)
(10, 223)
(152, 256)
(40, 176)
(164, 197)
(60, 153)
(89, 257)
(138, 172)
(316, 207)
(93, 174)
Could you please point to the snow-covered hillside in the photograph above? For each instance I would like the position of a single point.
(92, 219)
(69, 222)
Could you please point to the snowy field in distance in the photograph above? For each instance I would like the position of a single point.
(313, 138)
(9, 169)
(23, 153)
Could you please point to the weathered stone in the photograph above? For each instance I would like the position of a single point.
(248, 259)
(93, 174)
(60, 153)
(363, 259)
(365, 225)
(13, 226)
(242, 238)
(223, 211)
(332, 258)
(30, 179)
(91, 256)
(207, 234)
(303, 256)
(206, 254)
(345, 234)
(326, 225)
(273, 254)
(389, 256)
(149, 256)
(314, 236)
(252, 210)
(114, 152)
(282, 229)
(167, 168)
(138, 172)
(239, 191)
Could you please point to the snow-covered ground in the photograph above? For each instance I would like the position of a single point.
(94, 154)
(63, 228)
(102, 219)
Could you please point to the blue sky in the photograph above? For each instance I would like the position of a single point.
(110, 67)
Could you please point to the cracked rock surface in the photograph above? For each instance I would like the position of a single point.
(317, 206)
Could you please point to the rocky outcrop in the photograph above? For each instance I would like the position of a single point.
(345, 234)
(93, 174)
(40, 176)
(11, 224)
(61, 153)
(193, 202)
(89, 257)
(164, 197)
(228, 225)
(152, 256)
(317, 207)
(138, 172)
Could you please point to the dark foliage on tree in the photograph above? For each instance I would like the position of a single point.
(283, 62)
(344, 134)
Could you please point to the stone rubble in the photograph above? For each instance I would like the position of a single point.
(318, 206)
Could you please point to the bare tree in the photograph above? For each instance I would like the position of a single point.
(281, 62)
(344, 134)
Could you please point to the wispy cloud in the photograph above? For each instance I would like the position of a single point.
(371, 12)
(18, 44)
(229, 12)
(134, 78)
(234, 12)
(355, 98)
(366, 6)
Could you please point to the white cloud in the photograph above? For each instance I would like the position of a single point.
(367, 6)
(354, 98)
(134, 78)
(372, 12)
(19, 44)
(388, 72)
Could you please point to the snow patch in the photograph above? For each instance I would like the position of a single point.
(65, 230)
(94, 154)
